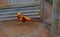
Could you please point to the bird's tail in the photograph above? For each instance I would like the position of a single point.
(36, 20)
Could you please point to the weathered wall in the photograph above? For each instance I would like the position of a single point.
(3, 2)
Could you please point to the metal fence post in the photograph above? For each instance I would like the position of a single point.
(54, 25)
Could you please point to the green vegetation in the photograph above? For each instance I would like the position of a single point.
(50, 1)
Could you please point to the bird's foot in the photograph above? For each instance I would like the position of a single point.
(19, 23)
(25, 23)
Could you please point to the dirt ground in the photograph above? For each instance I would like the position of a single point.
(32, 29)
(12, 29)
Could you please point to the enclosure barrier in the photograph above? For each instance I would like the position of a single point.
(55, 18)
(8, 12)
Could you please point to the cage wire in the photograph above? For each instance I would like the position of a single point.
(55, 18)
(42, 13)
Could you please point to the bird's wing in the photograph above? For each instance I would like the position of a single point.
(27, 18)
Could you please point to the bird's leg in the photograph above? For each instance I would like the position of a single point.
(25, 23)
(19, 22)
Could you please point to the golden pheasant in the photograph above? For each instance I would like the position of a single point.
(25, 18)
(22, 18)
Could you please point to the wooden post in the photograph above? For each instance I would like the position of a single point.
(55, 12)
(42, 9)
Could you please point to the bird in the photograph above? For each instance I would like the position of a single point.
(25, 19)
(22, 18)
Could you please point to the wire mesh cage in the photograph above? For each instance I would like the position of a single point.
(41, 10)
